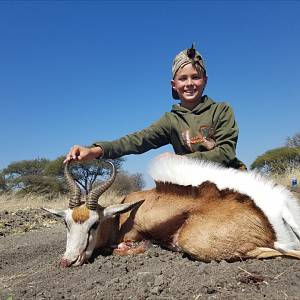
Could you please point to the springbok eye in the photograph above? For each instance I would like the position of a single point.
(95, 225)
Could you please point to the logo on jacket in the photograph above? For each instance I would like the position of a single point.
(206, 134)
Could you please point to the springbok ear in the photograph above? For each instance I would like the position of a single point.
(119, 209)
(59, 213)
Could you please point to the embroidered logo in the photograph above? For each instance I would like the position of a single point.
(206, 134)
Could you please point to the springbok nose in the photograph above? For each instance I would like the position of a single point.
(64, 263)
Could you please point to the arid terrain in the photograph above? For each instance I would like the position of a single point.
(32, 243)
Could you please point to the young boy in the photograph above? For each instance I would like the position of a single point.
(197, 128)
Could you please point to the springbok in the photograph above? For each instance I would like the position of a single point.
(205, 210)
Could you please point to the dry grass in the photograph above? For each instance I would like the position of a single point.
(12, 202)
(286, 178)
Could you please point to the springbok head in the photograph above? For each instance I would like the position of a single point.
(83, 219)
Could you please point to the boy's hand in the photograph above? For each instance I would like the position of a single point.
(79, 153)
(167, 154)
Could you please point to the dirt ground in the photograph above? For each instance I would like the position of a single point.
(32, 244)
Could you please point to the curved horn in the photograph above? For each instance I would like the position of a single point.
(92, 200)
(73, 187)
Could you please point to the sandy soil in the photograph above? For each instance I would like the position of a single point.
(32, 243)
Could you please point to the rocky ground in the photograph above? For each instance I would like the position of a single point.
(32, 243)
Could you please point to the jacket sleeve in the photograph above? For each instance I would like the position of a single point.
(155, 136)
(226, 135)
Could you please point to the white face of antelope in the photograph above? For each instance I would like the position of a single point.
(82, 220)
(81, 236)
(82, 230)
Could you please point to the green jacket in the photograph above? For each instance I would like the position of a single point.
(208, 132)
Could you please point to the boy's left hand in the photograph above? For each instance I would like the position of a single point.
(169, 154)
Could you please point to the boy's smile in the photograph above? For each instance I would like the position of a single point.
(189, 85)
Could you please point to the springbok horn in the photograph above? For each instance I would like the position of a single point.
(94, 194)
(73, 188)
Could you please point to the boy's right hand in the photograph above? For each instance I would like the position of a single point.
(79, 153)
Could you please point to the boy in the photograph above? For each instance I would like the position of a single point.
(197, 128)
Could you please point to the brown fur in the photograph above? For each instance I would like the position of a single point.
(205, 222)
(80, 214)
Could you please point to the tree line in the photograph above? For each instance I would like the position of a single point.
(279, 160)
(42, 176)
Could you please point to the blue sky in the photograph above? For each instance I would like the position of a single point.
(76, 72)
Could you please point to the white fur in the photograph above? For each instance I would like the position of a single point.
(277, 202)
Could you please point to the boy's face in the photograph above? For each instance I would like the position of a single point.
(189, 86)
